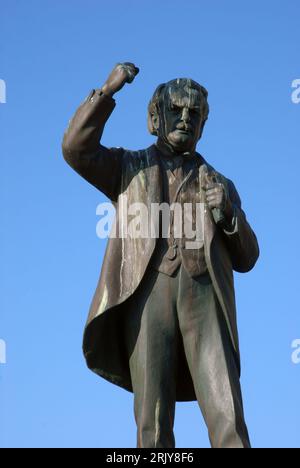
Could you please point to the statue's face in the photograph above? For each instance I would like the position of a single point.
(182, 118)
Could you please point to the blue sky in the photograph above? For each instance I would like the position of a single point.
(52, 53)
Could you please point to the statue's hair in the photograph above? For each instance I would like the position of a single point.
(159, 95)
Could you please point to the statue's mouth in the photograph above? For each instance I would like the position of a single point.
(184, 127)
(182, 130)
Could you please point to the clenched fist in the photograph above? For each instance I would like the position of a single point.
(217, 198)
(121, 74)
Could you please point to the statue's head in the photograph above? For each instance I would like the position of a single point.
(177, 113)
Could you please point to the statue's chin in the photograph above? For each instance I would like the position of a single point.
(180, 141)
(180, 146)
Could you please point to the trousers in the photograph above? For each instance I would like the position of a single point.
(166, 312)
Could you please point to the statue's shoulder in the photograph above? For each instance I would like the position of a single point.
(139, 159)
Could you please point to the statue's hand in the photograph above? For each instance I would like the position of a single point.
(217, 197)
(122, 73)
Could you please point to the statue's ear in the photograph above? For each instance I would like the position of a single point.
(153, 123)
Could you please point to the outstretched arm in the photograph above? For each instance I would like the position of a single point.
(100, 166)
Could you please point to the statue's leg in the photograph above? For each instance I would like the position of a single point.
(151, 334)
(211, 360)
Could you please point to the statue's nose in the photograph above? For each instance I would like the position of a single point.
(185, 114)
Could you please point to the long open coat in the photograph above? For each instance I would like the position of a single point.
(137, 175)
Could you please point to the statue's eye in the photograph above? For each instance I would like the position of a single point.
(175, 108)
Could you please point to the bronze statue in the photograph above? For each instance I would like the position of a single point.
(162, 323)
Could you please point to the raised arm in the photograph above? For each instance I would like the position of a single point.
(100, 166)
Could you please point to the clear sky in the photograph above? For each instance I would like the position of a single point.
(52, 53)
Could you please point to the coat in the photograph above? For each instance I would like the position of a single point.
(137, 175)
